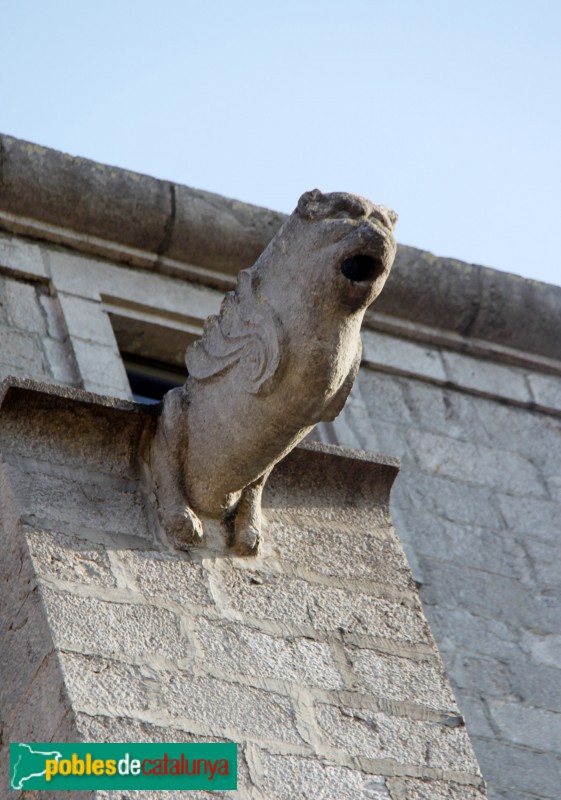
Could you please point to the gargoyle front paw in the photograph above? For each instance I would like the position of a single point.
(247, 540)
(185, 528)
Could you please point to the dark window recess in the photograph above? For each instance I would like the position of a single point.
(150, 380)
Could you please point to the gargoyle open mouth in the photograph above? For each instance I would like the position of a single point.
(362, 269)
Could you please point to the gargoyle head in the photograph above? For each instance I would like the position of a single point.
(349, 236)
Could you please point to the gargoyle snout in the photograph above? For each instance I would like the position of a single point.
(385, 215)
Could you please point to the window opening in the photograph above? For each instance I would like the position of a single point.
(150, 380)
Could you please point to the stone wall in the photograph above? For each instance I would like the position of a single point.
(461, 379)
(315, 658)
(477, 505)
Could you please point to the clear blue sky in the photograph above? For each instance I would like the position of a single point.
(447, 110)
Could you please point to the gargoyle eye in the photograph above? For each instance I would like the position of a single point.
(360, 268)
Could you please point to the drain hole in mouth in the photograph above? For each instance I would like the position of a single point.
(362, 268)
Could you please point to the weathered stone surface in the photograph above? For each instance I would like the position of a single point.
(99, 686)
(501, 598)
(71, 505)
(52, 437)
(62, 363)
(379, 736)
(458, 627)
(101, 368)
(487, 377)
(21, 256)
(523, 770)
(426, 789)
(204, 645)
(37, 717)
(475, 464)
(473, 301)
(528, 515)
(401, 356)
(122, 729)
(239, 650)
(457, 543)
(527, 726)
(86, 319)
(224, 708)
(326, 550)
(399, 678)
(539, 685)
(110, 628)
(289, 777)
(326, 608)
(476, 714)
(284, 352)
(76, 193)
(219, 233)
(69, 558)
(23, 309)
(449, 499)
(22, 354)
(165, 576)
(546, 390)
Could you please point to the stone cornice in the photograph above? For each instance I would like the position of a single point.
(167, 227)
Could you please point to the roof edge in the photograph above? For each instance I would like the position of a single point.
(205, 237)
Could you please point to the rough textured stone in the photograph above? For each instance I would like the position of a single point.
(475, 464)
(223, 708)
(219, 233)
(69, 558)
(21, 257)
(86, 319)
(476, 547)
(527, 515)
(487, 377)
(539, 685)
(122, 729)
(400, 356)
(22, 354)
(71, 505)
(326, 550)
(526, 771)
(284, 352)
(527, 726)
(327, 609)
(197, 227)
(52, 437)
(476, 635)
(546, 390)
(23, 308)
(166, 576)
(62, 363)
(38, 715)
(402, 679)
(110, 628)
(426, 789)
(289, 777)
(59, 189)
(239, 650)
(101, 368)
(499, 598)
(449, 499)
(100, 686)
(378, 736)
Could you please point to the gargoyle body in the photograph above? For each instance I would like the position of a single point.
(280, 357)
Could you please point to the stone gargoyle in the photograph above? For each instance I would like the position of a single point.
(281, 356)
